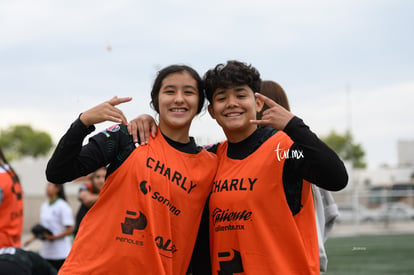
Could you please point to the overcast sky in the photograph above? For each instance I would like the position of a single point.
(344, 64)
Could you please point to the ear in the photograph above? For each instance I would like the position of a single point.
(211, 111)
(259, 105)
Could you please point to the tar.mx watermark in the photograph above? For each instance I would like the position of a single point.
(359, 248)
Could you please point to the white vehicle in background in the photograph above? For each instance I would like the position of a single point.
(351, 214)
(397, 211)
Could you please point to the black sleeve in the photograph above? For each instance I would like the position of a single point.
(200, 261)
(71, 160)
(314, 161)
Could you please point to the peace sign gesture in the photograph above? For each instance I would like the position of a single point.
(105, 112)
(276, 116)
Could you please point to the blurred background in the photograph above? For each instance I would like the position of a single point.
(347, 68)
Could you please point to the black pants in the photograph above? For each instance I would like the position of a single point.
(56, 263)
(7, 268)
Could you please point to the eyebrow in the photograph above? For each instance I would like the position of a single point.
(223, 91)
(185, 87)
(220, 92)
(240, 89)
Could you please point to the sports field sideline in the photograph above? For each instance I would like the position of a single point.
(371, 254)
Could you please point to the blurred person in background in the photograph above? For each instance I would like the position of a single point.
(56, 217)
(89, 194)
(326, 210)
(11, 205)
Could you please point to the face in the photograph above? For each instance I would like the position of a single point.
(98, 178)
(233, 108)
(178, 102)
(51, 189)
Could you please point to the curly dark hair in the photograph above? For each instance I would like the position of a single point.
(233, 73)
(163, 73)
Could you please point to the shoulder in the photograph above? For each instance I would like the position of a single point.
(276, 135)
(45, 207)
(85, 187)
(114, 132)
(208, 154)
(5, 176)
(61, 203)
(212, 148)
(115, 142)
(116, 136)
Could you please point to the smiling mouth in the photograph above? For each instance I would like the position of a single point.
(233, 114)
(178, 110)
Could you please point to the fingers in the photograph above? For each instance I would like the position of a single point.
(133, 130)
(148, 125)
(261, 122)
(124, 120)
(153, 129)
(113, 113)
(116, 101)
(143, 129)
(110, 113)
(48, 236)
(266, 100)
(144, 125)
(105, 112)
(119, 100)
(277, 118)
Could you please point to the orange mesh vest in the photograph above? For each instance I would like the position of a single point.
(11, 209)
(147, 216)
(252, 229)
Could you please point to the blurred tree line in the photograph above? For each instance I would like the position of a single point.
(345, 146)
(18, 141)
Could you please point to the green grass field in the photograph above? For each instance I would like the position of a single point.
(366, 255)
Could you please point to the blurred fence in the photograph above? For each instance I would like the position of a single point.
(377, 210)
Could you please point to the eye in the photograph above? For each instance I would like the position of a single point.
(189, 92)
(220, 98)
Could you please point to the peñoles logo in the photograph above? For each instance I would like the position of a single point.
(130, 223)
(229, 265)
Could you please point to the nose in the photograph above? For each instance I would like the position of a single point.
(179, 97)
(231, 102)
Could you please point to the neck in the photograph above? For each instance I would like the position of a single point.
(52, 198)
(238, 136)
(178, 135)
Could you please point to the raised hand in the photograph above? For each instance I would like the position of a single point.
(105, 112)
(276, 116)
(142, 125)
